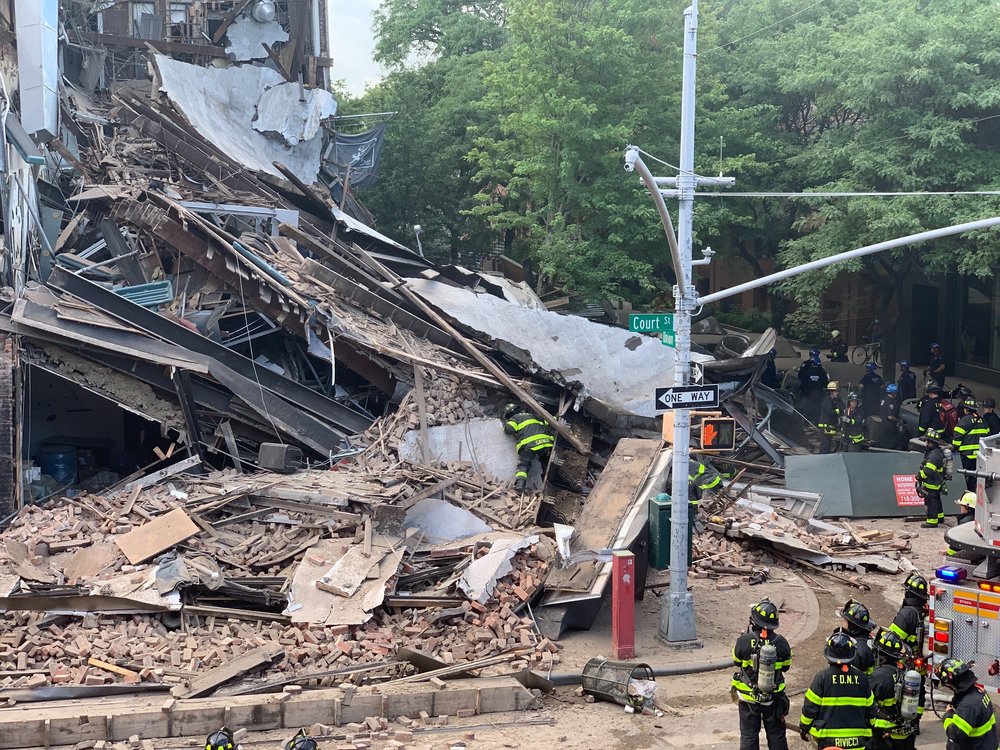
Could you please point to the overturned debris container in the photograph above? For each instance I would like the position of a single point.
(621, 682)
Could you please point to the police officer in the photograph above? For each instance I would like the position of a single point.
(534, 440)
(812, 382)
(990, 415)
(930, 482)
(966, 436)
(770, 375)
(891, 730)
(839, 708)
(758, 708)
(857, 623)
(907, 381)
(935, 368)
(830, 411)
(909, 622)
(889, 431)
(853, 424)
(969, 721)
(870, 387)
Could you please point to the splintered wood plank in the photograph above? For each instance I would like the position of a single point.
(157, 536)
(609, 501)
(207, 682)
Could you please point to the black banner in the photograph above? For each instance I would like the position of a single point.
(360, 152)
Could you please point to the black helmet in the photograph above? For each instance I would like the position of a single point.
(302, 741)
(889, 644)
(840, 648)
(916, 584)
(764, 614)
(956, 674)
(857, 614)
(970, 404)
(509, 410)
(220, 740)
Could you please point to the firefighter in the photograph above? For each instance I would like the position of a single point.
(301, 741)
(890, 430)
(990, 415)
(830, 411)
(770, 375)
(967, 433)
(853, 424)
(220, 740)
(857, 623)
(812, 382)
(870, 387)
(935, 368)
(761, 698)
(838, 347)
(534, 440)
(838, 709)
(701, 479)
(969, 721)
(907, 382)
(967, 505)
(909, 622)
(891, 730)
(929, 423)
(930, 480)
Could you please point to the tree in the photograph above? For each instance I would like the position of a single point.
(574, 85)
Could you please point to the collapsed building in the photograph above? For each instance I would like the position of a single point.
(244, 431)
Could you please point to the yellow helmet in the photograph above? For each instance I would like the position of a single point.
(832, 386)
(968, 499)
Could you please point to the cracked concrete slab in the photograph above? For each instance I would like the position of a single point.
(611, 365)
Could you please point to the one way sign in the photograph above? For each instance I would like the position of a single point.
(687, 396)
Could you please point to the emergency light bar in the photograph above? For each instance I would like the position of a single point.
(951, 573)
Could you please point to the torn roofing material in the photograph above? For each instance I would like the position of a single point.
(220, 104)
(247, 38)
(287, 112)
(611, 365)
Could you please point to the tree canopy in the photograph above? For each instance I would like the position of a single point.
(514, 116)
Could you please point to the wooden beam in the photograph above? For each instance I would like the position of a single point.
(490, 366)
(168, 48)
(207, 682)
(229, 20)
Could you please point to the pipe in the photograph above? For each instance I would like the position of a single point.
(634, 161)
(909, 239)
(569, 678)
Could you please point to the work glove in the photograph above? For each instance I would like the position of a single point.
(804, 733)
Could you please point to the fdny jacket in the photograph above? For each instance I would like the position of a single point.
(747, 646)
(839, 709)
(970, 723)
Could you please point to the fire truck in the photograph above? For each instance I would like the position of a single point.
(964, 617)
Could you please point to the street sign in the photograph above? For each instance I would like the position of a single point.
(669, 339)
(652, 323)
(687, 396)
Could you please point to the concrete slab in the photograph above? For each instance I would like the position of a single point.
(611, 365)
(220, 104)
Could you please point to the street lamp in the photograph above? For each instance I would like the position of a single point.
(417, 229)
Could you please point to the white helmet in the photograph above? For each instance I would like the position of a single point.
(835, 333)
(968, 500)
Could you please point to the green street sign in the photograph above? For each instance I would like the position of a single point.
(652, 323)
(669, 339)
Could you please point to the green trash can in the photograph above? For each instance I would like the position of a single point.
(659, 530)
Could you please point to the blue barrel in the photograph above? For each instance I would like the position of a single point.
(59, 462)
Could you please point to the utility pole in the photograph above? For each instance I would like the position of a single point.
(677, 617)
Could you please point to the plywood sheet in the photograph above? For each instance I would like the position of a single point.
(157, 536)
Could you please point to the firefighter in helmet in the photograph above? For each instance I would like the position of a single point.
(893, 730)
(909, 622)
(762, 657)
(969, 722)
(839, 709)
(534, 440)
(301, 741)
(857, 623)
(221, 740)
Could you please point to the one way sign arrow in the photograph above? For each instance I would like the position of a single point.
(687, 396)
